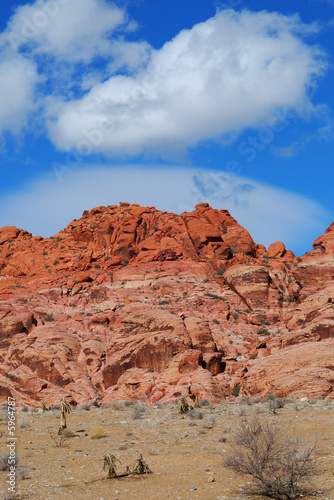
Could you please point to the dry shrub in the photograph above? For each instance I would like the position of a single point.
(244, 401)
(120, 405)
(208, 422)
(279, 465)
(4, 461)
(24, 472)
(98, 432)
(195, 414)
(66, 433)
(274, 403)
(86, 406)
(58, 440)
(137, 411)
(204, 402)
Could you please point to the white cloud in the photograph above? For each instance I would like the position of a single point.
(73, 30)
(222, 76)
(44, 42)
(18, 77)
(129, 55)
(268, 213)
(213, 81)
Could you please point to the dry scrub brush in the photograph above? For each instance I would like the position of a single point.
(280, 466)
(98, 432)
(274, 403)
(58, 440)
(138, 411)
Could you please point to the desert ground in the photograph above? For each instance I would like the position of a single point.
(184, 452)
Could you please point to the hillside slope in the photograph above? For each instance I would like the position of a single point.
(129, 302)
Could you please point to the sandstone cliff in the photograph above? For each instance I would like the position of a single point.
(132, 303)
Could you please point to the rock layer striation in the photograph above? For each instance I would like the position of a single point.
(131, 303)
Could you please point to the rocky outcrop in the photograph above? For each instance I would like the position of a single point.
(276, 249)
(251, 283)
(296, 371)
(132, 303)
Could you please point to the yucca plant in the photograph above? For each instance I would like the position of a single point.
(110, 463)
(141, 466)
(44, 407)
(183, 405)
(65, 409)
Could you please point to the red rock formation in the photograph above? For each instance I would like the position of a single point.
(276, 249)
(129, 303)
(306, 369)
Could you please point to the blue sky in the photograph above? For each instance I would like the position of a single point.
(169, 104)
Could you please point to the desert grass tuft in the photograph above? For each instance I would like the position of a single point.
(98, 432)
(67, 433)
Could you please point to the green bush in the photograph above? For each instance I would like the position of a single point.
(263, 331)
(213, 296)
(236, 390)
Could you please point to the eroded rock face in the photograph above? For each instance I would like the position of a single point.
(130, 303)
(307, 368)
(251, 283)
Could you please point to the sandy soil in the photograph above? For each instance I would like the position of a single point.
(184, 453)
